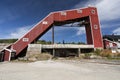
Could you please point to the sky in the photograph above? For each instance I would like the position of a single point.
(18, 16)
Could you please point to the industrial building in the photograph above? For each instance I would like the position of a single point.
(84, 16)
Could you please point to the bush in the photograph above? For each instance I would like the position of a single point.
(106, 53)
(81, 56)
(118, 54)
(97, 52)
(87, 55)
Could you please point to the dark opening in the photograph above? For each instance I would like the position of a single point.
(62, 52)
(1, 56)
(87, 50)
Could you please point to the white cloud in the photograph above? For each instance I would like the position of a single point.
(80, 31)
(117, 31)
(59, 30)
(108, 25)
(107, 9)
(85, 4)
(20, 32)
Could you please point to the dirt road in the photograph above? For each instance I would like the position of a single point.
(57, 70)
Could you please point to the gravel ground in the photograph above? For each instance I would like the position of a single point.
(59, 70)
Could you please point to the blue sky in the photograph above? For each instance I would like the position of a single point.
(18, 16)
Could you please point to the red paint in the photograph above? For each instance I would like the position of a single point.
(93, 35)
(109, 44)
(6, 55)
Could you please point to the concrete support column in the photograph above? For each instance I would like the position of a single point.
(79, 51)
(40, 48)
(53, 35)
(53, 52)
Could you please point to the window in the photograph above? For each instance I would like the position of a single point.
(44, 22)
(25, 39)
(95, 26)
(79, 11)
(63, 13)
(93, 11)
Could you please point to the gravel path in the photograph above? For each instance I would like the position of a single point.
(59, 70)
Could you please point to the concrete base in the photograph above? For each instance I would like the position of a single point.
(33, 49)
(59, 49)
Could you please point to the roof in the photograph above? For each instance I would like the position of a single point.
(112, 37)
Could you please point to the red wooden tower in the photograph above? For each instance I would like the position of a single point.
(88, 14)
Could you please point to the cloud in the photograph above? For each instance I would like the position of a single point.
(107, 9)
(108, 25)
(20, 32)
(64, 29)
(117, 31)
(80, 31)
(86, 3)
(57, 31)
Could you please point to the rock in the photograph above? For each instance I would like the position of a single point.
(22, 59)
(95, 57)
(32, 59)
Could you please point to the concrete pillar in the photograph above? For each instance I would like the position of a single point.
(53, 52)
(53, 35)
(40, 48)
(79, 51)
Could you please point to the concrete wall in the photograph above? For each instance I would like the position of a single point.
(67, 46)
(37, 48)
(33, 49)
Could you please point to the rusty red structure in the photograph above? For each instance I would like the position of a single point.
(88, 14)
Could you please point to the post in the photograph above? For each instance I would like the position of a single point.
(53, 35)
(79, 51)
(53, 52)
(40, 48)
(1, 56)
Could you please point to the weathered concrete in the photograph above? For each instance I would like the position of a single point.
(37, 48)
(33, 49)
(118, 50)
(67, 46)
(57, 70)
